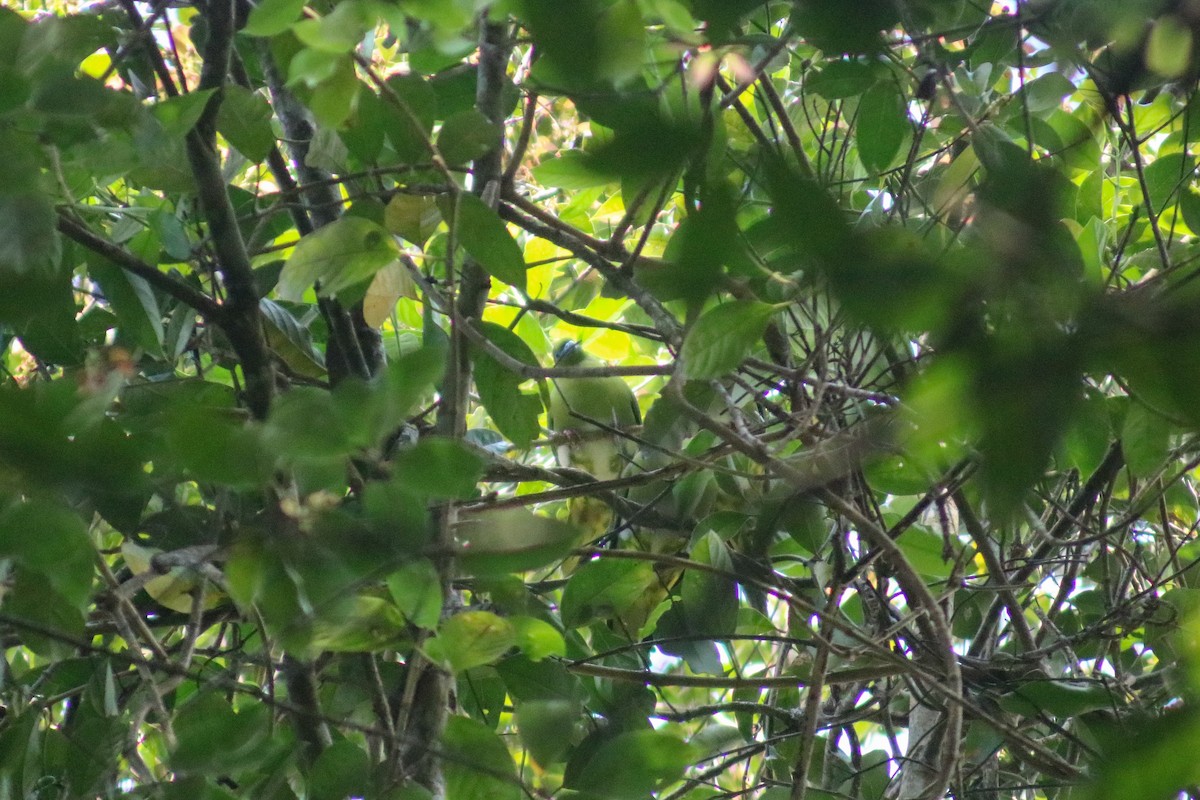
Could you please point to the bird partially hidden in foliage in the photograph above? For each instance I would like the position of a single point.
(591, 414)
(595, 415)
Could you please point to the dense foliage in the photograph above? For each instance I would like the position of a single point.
(295, 500)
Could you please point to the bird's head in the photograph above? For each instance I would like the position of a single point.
(568, 353)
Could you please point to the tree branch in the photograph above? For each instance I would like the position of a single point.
(204, 305)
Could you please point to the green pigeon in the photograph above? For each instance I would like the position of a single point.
(589, 412)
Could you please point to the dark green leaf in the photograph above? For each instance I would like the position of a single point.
(841, 79)
(1147, 757)
(28, 230)
(212, 736)
(467, 135)
(1062, 698)
(178, 115)
(1145, 439)
(291, 341)
(708, 601)
(478, 764)
(881, 125)
(546, 728)
(485, 236)
(245, 120)
(571, 169)
(134, 303)
(514, 411)
(633, 765)
(342, 770)
(438, 467)
(53, 626)
(603, 589)
(53, 542)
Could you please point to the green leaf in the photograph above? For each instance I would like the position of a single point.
(537, 638)
(216, 445)
(309, 68)
(881, 125)
(925, 551)
(271, 17)
(409, 130)
(572, 169)
(363, 623)
(477, 763)
(826, 25)
(342, 770)
(211, 736)
(841, 79)
(722, 338)
(290, 430)
(64, 96)
(1145, 439)
(1058, 698)
(603, 589)
(417, 590)
(467, 135)
(413, 216)
(514, 540)
(28, 230)
(513, 411)
(546, 728)
(338, 31)
(471, 639)
(440, 468)
(1189, 204)
(1171, 46)
(244, 119)
(1146, 757)
(709, 599)
(291, 341)
(41, 310)
(134, 303)
(342, 254)
(51, 541)
(334, 97)
(1167, 176)
(55, 625)
(1044, 93)
(179, 114)
(485, 236)
(634, 765)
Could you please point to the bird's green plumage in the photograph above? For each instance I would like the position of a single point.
(594, 410)
(590, 414)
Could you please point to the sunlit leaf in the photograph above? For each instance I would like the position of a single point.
(472, 639)
(340, 255)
